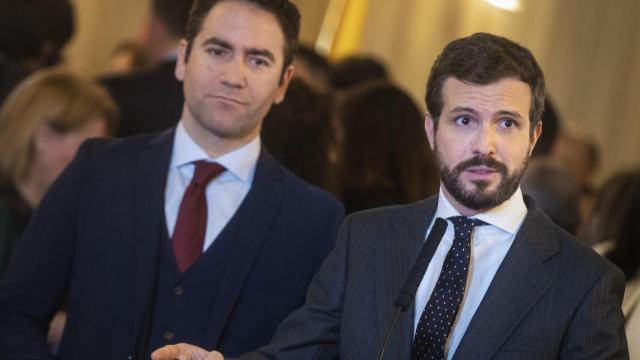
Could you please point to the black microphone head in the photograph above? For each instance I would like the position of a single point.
(408, 292)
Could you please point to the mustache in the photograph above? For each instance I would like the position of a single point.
(481, 161)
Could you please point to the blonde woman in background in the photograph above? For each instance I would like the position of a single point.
(42, 123)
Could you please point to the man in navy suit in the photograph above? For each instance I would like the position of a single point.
(116, 236)
(503, 283)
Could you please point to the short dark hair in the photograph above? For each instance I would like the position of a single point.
(284, 11)
(483, 59)
(27, 25)
(174, 14)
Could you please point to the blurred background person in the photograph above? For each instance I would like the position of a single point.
(355, 70)
(129, 57)
(33, 34)
(298, 133)
(612, 201)
(384, 157)
(555, 190)
(581, 156)
(152, 101)
(42, 124)
(614, 226)
(312, 68)
(551, 130)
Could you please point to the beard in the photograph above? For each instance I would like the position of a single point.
(480, 198)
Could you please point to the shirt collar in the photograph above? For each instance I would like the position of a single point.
(507, 216)
(240, 162)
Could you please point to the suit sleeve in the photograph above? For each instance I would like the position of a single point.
(597, 329)
(313, 331)
(38, 276)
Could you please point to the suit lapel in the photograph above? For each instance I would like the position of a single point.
(520, 282)
(393, 263)
(150, 179)
(254, 218)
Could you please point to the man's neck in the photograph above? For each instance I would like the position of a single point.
(213, 145)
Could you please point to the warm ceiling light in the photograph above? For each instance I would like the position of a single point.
(509, 5)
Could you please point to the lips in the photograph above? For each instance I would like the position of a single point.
(228, 99)
(481, 169)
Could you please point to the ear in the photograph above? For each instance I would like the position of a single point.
(182, 59)
(429, 128)
(535, 136)
(284, 84)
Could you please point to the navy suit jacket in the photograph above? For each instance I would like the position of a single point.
(95, 240)
(551, 298)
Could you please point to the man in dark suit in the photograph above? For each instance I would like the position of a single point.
(503, 283)
(195, 234)
(152, 100)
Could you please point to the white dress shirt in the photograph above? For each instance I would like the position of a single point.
(224, 194)
(489, 245)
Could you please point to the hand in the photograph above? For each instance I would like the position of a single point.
(184, 352)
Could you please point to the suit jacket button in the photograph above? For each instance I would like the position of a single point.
(168, 335)
(178, 290)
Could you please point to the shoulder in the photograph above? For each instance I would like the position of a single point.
(295, 190)
(415, 215)
(563, 254)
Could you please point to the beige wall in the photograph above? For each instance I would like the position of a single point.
(100, 26)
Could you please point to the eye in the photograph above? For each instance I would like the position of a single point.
(462, 121)
(507, 123)
(215, 51)
(259, 62)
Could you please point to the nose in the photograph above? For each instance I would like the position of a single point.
(484, 141)
(234, 73)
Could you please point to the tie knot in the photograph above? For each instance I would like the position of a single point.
(463, 224)
(206, 171)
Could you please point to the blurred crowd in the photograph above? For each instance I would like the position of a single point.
(345, 126)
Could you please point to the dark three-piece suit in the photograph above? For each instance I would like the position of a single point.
(99, 243)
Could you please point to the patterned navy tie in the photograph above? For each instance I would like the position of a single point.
(441, 309)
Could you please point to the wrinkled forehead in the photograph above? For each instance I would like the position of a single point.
(505, 94)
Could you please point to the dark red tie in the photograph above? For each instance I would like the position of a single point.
(188, 235)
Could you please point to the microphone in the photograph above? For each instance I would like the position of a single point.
(408, 292)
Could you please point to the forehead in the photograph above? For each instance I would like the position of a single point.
(243, 25)
(506, 94)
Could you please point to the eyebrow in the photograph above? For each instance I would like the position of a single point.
(249, 51)
(461, 109)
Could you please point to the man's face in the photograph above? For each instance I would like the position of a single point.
(232, 75)
(483, 141)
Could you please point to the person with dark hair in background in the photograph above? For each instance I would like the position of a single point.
(32, 36)
(384, 157)
(504, 282)
(356, 70)
(152, 100)
(313, 69)
(129, 57)
(626, 254)
(556, 190)
(194, 234)
(613, 227)
(552, 129)
(298, 133)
